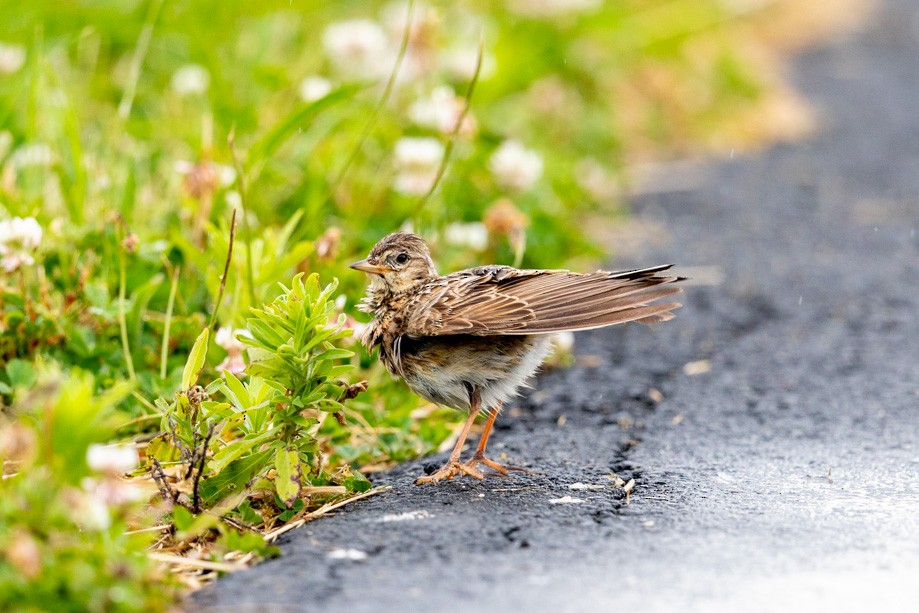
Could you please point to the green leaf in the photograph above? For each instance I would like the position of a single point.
(21, 373)
(195, 360)
(356, 483)
(336, 354)
(236, 392)
(160, 449)
(287, 515)
(265, 148)
(139, 301)
(182, 518)
(234, 477)
(267, 336)
(248, 542)
(288, 481)
(236, 449)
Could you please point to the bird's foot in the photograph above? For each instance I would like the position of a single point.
(450, 470)
(501, 469)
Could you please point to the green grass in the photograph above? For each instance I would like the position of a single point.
(115, 134)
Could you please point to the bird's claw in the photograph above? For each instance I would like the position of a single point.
(450, 470)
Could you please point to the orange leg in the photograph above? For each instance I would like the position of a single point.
(479, 457)
(453, 466)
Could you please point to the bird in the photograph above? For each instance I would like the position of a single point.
(470, 339)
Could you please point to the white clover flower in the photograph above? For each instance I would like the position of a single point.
(418, 160)
(313, 88)
(32, 154)
(190, 80)
(112, 491)
(358, 48)
(233, 199)
(425, 20)
(596, 180)
(227, 337)
(12, 57)
(226, 175)
(473, 235)
(423, 37)
(553, 8)
(514, 166)
(440, 111)
(112, 459)
(93, 513)
(460, 62)
(19, 238)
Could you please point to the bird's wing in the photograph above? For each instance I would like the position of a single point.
(493, 300)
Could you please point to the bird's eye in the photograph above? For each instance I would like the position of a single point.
(402, 258)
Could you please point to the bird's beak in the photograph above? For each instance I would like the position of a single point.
(365, 266)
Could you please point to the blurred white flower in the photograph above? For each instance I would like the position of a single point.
(424, 36)
(227, 338)
(313, 88)
(33, 154)
(19, 238)
(514, 166)
(460, 63)
(12, 57)
(473, 235)
(92, 512)
(112, 491)
(112, 459)
(233, 199)
(417, 160)
(552, 8)
(358, 48)
(190, 80)
(596, 180)
(426, 20)
(440, 111)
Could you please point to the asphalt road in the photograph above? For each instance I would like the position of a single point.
(778, 472)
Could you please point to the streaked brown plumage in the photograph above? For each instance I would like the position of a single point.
(470, 339)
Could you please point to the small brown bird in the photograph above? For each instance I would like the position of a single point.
(469, 339)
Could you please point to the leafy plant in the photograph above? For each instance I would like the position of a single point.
(264, 435)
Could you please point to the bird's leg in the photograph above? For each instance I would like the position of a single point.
(453, 466)
(479, 456)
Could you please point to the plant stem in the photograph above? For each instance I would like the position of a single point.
(451, 142)
(164, 350)
(122, 321)
(226, 271)
(384, 98)
(241, 184)
(137, 60)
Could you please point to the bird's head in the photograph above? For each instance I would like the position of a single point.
(398, 263)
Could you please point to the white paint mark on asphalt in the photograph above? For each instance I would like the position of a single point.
(566, 500)
(407, 516)
(355, 555)
(584, 486)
